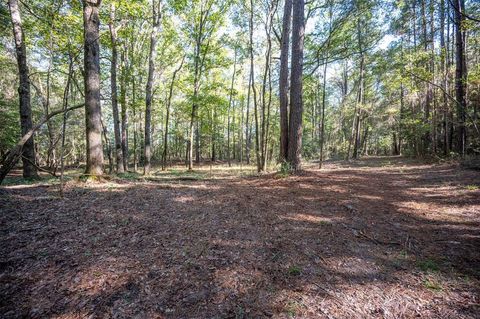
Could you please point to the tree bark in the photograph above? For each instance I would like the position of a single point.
(64, 122)
(443, 68)
(324, 86)
(93, 114)
(361, 94)
(267, 83)
(124, 113)
(296, 86)
(460, 75)
(247, 122)
(428, 92)
(283, 80)
(252, 75)
(229, 110)
(113, 81)
(28, 159)
(156, 7)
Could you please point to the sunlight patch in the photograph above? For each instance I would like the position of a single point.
(308, 218)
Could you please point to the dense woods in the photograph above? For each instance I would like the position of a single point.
(262, 82)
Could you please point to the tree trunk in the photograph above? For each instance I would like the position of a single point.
(360, 96)
(213, 126)
(266, 103)
(428, 92)
(196, 86)
(252, 75)
(296, 86)
(108, 148)
(247, 122)
(324, 85)
(233, 129)
(28, 159)
(229, 110)
(93, 114)
(443, 67)
(124, 115)
(460, 75)
(283, 80)
(431, 88)
(149, 89)
(197, 140)
(113, 70)
(167, 117)
(242, 101)
(64, 122)
(135, 134)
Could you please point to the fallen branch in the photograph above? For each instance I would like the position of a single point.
(361, 233)
(16, 152)
(39, 168)
(377, 241)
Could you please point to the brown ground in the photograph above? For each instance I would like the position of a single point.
(369, 240)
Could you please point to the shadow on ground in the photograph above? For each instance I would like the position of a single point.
(357, 241)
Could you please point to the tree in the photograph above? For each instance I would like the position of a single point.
(205, 20)
(167, 117)
(360, 81)
(113, 78)
(324, 86)
(296, 87)
(13, 155)
(28, 153)
(93, 115)
(283, 80)
(252, 83)
(156, 11)
(230, 101)
(460, 72)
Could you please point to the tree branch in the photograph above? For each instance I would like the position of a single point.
(16, 152)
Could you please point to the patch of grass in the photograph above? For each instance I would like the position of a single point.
(285, 170)
(182, 174)
(291, 308)
(123, 222)
(129, 175)
(325, 223)
(465, 278)
(428, 265)
(432, 284)
(472, 187)
(401, 260)
(294, 270)
(386, 163)
(19, 180)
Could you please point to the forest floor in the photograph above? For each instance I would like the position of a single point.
(378, 238)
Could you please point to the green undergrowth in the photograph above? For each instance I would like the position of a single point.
(428, 265)
(42, 180)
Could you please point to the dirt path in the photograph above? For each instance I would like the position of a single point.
(381, 239)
